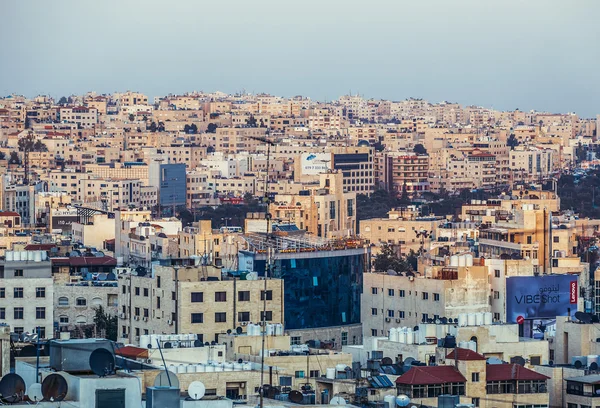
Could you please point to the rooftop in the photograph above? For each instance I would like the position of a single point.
(465, 355)
(508, 372)
(423, 375)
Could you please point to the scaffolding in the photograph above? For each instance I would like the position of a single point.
(282, 243)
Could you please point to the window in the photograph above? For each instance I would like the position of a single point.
(2, 313)
(285, 381)
(269, 295)
(137, 291)
(373, 291)
(496, 316)
(390, 313)
(146, 292)
(497, 273)
(197, 318)
(63, 301)
(474, 377)
(40, 292)
(496, 294)
(220, 296)
(220, 317)
(390, 292)
(425, 295)
(81, 301)
(2, 293)
(244, 296)
(146, 312)
(18, 292)
(531, 387)
(402, 293)
(18, 273)
(299, 374)
(374, 332)
(373, 311)
(268, 316)
(295, 340)
(344, 338)
(63, 319)
(554, 239)
(401, 314)
(40, 312)
(19, 330)
(243, 316)
(475, 401)
(436, 297)
(158, 302)
(136, 311)
(123, 289)
(313, 373)
(158, 281)
(18, 313)
(197, 297)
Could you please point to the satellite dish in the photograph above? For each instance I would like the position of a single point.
(207, 343)
(228, 331)
(198, 343)
(168, 345)
(162, 379)
(213, 343)
(594, 366)
(240, 360)
(54, 387)
(416, 328)
(409, 361)
(239, 330)
(551, 363)
(102, 362)
(196, 390)
(111, 276)
(12, 388)
(34, 392)
(402, 400)
(494, 361)
(386, 361)
(252, 276)
(583, 317)
(437, 321)
(578, 364)
(28, 351)
(391, 272)
(337, 401)
(295, 396)
(444, 320)
(518, 360)
(102, 276)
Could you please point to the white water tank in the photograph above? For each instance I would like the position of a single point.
(23, 255)
(10, 256)
(247, 366)
(238, 366)
(37, 256)
(181, 368)
(144, 341)
(228, 366)
(200, 368)
(270, 329)
(390, 401)
(462, 319)
(191, 368)
(410, 336)
(393, 334)
(488, 318)
(402, 336)
(31, 255)
(16, 256)
(153, 341)
(479, 319)
(469, 259)
(330, 373)
(463, 344)
(454, 260)
(471, 319)
(462, 261)
(218, 368)
(209, 368)
(472, 345)
(279, 329)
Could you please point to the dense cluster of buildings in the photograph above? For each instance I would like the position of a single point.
(500, 308)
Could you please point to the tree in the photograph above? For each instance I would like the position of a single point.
(251, 121)
(512, 142)
(388, 259)
(2, 156)
(152, 127)
(193, 129)
(107, 323)
(419, 149)
(212, 128)
(39, 146)
(131, 117)
(63, 100)
(14, 158)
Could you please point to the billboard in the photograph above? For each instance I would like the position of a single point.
(540, 297)
(63, 218)
(315, 163)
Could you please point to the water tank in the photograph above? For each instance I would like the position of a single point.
(279, 329)
(181, 368)
(462, 261)
(209, 368)
(24, 255)
(191, 368)
(472, 346)
(144, 340)
(238, 366)
(592, 358)
(463, 344)
(330, 373)
(218, 368)
(16, 256)
(270, 330)
(402, 336)
(247, 366)
(469, 259)
(44, 256)
(462, 319)
(479, 319)
(172, 368)
(390, 401)
(228, 366)
(393, 334)
(471, 319)
(154, 340)
(488, 318)
(454, 260)
(37, 256)
(10, 256)
(30, 255)
(410, 336)
(200, 368)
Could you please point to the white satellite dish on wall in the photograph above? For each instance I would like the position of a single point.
(196, 390)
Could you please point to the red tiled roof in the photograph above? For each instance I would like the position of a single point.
(85, 261)
(465, 355)
(132, 352)
(9, 214)
(424, 375)
(39, 247)
(507, 372)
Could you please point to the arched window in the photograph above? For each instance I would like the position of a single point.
(63, 319)
(80, 319)
(81, 301)
(97, 301)
(63, 301)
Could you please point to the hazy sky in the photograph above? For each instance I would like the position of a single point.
(505, 54)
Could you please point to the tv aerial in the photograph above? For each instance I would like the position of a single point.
(196, 390)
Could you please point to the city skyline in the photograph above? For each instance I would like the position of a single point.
(321, 51)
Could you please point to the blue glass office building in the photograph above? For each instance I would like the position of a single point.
(172, 189)
(322, 288)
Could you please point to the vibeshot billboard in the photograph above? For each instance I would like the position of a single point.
(540, 297)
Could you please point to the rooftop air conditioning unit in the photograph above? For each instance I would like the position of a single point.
(136, 318)
(170, 322)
